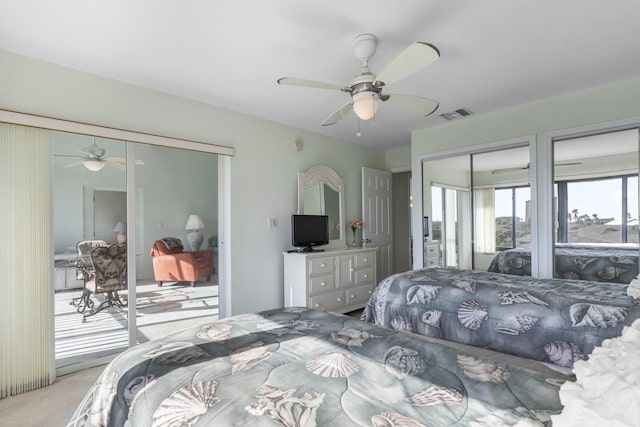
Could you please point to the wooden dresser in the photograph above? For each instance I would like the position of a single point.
(334, 280)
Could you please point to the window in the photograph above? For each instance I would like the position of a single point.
(598, 210)
(512, 217)
(449, 208)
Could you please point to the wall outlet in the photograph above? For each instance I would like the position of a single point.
(272, 222)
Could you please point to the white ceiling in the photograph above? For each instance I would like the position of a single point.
(229, 53)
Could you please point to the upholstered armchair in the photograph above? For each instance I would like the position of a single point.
(172, 264)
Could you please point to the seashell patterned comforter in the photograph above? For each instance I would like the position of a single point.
(302, 367)
(602, 264)
(550, 320)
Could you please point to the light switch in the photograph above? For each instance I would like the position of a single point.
(272, 222)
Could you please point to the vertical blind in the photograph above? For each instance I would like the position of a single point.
(25, 262)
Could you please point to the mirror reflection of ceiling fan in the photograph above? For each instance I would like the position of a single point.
(507, 170)
(93, 159)
(365, 89)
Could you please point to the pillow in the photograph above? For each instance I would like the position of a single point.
(171, 243)
(633, 290)
(606, 388)
(166, 246)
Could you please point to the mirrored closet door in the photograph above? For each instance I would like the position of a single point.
(89, 203)
(476, 205)
(174, 189)
(596, 189)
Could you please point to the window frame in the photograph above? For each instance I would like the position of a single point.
(563, 214)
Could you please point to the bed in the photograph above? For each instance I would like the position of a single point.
(613, 263)
(550, 320)
(302, 367)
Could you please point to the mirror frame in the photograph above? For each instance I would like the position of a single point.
(324, 174)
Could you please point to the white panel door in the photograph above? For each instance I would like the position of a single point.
(376, 217)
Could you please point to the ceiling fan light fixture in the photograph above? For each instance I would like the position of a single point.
(93, 165)
(365, 104)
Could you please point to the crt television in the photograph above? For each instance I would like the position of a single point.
(308, 231)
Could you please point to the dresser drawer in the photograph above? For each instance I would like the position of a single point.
(329, 301)
(321, 265)
(363, 260)
(431, 250)
(364, 276)
(359, 294)
(318, 284)
(431, 262)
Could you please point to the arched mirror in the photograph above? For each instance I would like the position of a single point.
(321, 192)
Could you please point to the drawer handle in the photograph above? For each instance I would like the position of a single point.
(339, 300)
(317, 305)
(323, 265)
(366, 259)
(370, 292)
(352, 296)
(322, 284)
(366, 275)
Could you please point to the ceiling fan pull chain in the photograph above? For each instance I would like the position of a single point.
(358, 133)
(373, 120)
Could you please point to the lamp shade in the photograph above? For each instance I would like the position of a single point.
(121, 227)
(365, 104)
(194, 223)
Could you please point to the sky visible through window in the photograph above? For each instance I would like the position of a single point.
(503, 202)
(603, 198)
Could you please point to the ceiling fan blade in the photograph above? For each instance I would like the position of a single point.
(123, 161)
(568, 164)
(413, 104)
(337, 115)
(507, 170)
(410, 60)
(295, 81)
(494, 172)
(76, 163)
(116, 165)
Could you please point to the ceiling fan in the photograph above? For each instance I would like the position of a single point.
(527, 167)
(366, 88)
(93, 159)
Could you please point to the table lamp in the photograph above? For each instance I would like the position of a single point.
(121, 229)
(194, 223)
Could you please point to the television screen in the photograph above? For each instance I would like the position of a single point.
(309, 230)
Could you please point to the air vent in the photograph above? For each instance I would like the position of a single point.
(456, 114)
